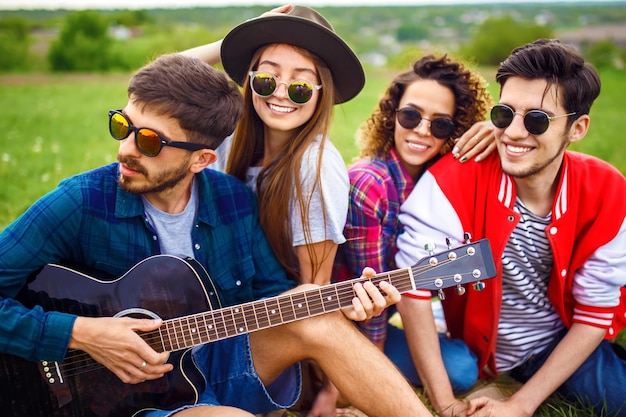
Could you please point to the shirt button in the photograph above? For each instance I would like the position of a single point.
(154, 237)
(238, 283)
(564, 273)
(197, 246)
(553, 230)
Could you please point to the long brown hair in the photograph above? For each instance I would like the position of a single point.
(275, 187)
(472, 101)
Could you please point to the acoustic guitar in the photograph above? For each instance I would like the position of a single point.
(180, 292)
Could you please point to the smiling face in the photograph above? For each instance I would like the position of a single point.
(417, 146)
(527, 156)
(277, 111)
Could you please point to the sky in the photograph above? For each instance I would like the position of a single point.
(140, 4)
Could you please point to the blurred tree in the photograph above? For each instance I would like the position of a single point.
(604, 54)
(14, 43)
(411, 32)
(83, 44)
(495, 38)
(132, 18)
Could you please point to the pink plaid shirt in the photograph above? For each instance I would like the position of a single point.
(377, 189)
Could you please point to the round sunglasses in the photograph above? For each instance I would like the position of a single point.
(265, 84)
(536, 122)
(148, 141)
(440, 127)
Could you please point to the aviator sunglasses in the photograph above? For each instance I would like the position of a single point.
(148, 141)
(265, 84)
(440, 127)
(536, 122)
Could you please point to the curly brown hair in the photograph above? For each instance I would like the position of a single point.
(472, 102)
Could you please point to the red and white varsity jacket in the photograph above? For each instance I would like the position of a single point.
(587, 235)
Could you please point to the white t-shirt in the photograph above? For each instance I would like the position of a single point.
(335, 189)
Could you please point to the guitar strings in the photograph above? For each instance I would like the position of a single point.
(197, 331)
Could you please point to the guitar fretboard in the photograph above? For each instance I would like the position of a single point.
(196, 329)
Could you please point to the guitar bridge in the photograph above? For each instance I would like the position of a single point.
(51, 373)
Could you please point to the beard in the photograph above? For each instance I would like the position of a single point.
(537, 167)
(154, 182)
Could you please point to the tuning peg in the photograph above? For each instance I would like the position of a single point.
(478, 286)
(468, 237)
(430, 247)
(460, 290)
(441, 295)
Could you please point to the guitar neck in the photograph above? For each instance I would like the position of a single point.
(468, 263)
(185, 332)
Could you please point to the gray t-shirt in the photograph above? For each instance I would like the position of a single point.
(174, 230)
(335, 189)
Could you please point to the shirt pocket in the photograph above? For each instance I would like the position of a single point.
(234, 283)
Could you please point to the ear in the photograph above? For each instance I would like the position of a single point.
(579, 128)
(202, 159)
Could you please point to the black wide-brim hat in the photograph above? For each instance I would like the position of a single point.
(302, 27)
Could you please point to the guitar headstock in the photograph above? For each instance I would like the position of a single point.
(469, 263)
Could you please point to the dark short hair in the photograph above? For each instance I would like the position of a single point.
(206, 103)
(559, 64)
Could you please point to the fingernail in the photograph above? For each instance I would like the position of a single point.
(455, 151)
(478, 159)
(464, 159)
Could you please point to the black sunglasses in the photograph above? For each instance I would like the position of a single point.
(536, 122)
(148, 141)
(440, 127)
(265, 84)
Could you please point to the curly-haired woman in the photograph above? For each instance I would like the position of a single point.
(414, 124)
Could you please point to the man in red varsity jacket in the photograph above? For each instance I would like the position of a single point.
(555, 221)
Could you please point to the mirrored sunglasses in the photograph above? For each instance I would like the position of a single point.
(149, 142)
(265, 84)
(536, 122)
(440, 127)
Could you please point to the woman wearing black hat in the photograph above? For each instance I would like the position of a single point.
(293, 68)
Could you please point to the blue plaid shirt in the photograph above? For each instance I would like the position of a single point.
(91, 221)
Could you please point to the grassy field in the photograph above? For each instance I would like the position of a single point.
(56, 126)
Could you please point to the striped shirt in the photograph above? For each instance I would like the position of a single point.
(528, 321)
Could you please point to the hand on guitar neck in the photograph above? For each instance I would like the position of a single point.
(114, 342)
(371, 300)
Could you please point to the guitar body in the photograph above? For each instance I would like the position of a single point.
(163, 286)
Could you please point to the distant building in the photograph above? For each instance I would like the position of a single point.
(592, 34)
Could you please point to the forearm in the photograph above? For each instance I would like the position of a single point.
(423, 342)
(33, 334)
(209, 53)
(316, 262)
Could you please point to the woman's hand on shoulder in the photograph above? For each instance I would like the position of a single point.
(479, 141)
